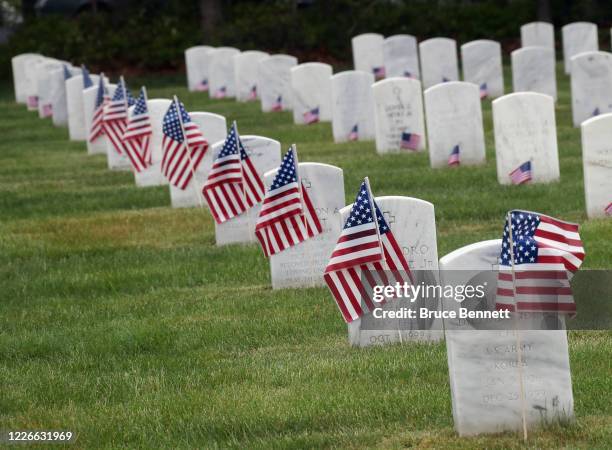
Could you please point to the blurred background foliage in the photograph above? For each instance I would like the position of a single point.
(152, 35)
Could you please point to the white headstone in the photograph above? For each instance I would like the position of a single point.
(197, 60)
(274, 82)
(591, 81)
(30, 74)
(401, 56)
(18, 64)
(413, 223)
(246, 70)
(57, 95)
(597, 162)
(438, 61)
(525, 130)
(578, 37)
(214, 129)
(538, 34)
(352, 106)
(221, 77)
(484, 365)
(398, 109)
(74, 102)
(266, 155)
(114, 159)
(454, 118)
(482, 65)
(368, 52)
(89, 106)
(152, 175)
(43, 87)
(533, 70)
(311, 85)
(303, 265)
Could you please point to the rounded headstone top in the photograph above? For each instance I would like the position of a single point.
(367, 36)
(479, 42)
(578, 24)
(395, 80)
(452, 85)
(522, 95)
(435, 40)
(352, 74)
(312, 64)
(493, 245)
(607, 117)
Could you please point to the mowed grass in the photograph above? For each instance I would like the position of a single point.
(121, 321)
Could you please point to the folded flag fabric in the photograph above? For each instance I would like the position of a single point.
(287, 216)
(354, 133)
(453, 159)
(410, 141)
(278, 104)
(202, 86)
(365, 256)
(608, 209)
(67, 73)
(221, 92)
(311, 116)
(97, 122)
(522, 174)
(484, 92)
(253, 93)
(115, 115)
(137, 135)
(233, 185)
(539, 255)
(183, 146)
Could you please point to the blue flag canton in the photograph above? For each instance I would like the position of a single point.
(87, 81)
(141, 104)
(525, 248)
(172, 124)
(361, 212)
(287, 172)
(118, 95)
(101, 92)
(230, 146)
(67, 73)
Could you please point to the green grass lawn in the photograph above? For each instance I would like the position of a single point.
(121, 321)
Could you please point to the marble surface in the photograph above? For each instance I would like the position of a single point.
(214, 128)
(597, 164)
(524, 127)
(482, 65)
(401, 56)
(311, 87)
(43, 87)
(454, 117)
(57, 95)
(274, 80)
(591, 82)
(89, 104)
(538, 34)
(398, 108)
(438, 61)
(578, 37)
(152, 175)
(246, 71)
(413, 223)
(197, 60)
(266, 155)
(18, 64)
(352, 104)
(484, 365)
(221, 72)
(367, 52)
(74, 102)
(31, 68)
(533, 70)
(303, 265)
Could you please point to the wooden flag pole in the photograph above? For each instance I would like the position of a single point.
(186, 147)
(519, 352)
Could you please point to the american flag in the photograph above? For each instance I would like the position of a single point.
(137, 136)
(47, 110)
(453, 159)
(278, 104)
(366, 253)
(32, 102)
(233, 184)
(221, 92)
(202, 86)
(379, 72)
(253, 93)
(445, 80)
(87, 81)
(97, 122)
(595, 112)
(608, 209)
(522, 174)
(67, 73)
(287, 216)
(354, 134)
(537, 260)
(183, 146)
(484, 92)
(115, 115)
(408, 74)
(410, 141)
(311, 116)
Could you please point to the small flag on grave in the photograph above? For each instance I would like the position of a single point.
(539, 255)
(253, 93)
(354, 134)
(87, 81)
(379, 72)
(410, 141)
(453, 159)
(484, 92)
(608, 209)
(221, 92)
(67, 73)
(137, 135)
(445, 80)
(202, 86)
(115, 115)
(278, 104)
(408, 74)
(97, 122)
(233, 185)
(522, 174)
(183, 146)
(47, 110)
(365, 256)
(287, 215)
(311, 116)
(595, 112)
